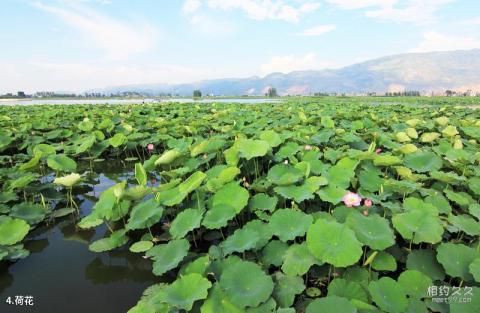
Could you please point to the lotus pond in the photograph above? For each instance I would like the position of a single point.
(308, 205)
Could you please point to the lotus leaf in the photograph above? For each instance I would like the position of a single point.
(334, 243)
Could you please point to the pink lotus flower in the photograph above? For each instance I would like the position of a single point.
(367, 203)
(351, 199)
(378, 151)
(150, 147)
(308, 147)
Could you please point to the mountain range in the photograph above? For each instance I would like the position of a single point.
(424, 72)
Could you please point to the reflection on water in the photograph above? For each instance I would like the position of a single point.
(61, 273)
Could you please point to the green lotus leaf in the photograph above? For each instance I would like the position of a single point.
(218, 216)
(268, 306)
(250, 149)
(440, 202)
(29, 212)
(185, 221)
(449, 178)
(273, 253)
(370, 180)
(388, 295)
(167, 256)
(465, 223)
(12, 230)
(286, 288)
(199, 265)
(474, 209)
(474, 269)
(402, 137)
(287, 224)
(332, 194)
(116, 239)
(347, 289)
(207, 146)
(287, 150)
(423, 161)
(141, 246)
(168, 157)
(298, 260)
(232, 195)
(271, 137)
(86, 143)
(140, 174)
(67, 180)
(283, 174)
(136, 193)
(425, 261)
(419, 225)
(474, 185)
(386, 160)
(416, 306)
(263, 202)
(456, 258)
(32, 163)
(117, 140)
(463, 199)
(415, 283)
(218, 302)
(85, 125)
(21, 181)
(245, 284)
(331, 304)
(145, 214)
(373, 230)
(240, 241)
(411, 132)
(450, 131)
(263, 230)
(184, 291)
(408, 148)
(429, 137)
(469, 306)
(302, 192)
(384, 261)
(333, 243)
(342, 173)
(44, 149)
(61, 162)
(90, 221)
(192, 182)
(5, 141)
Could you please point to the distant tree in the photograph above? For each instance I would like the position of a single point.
(21, 94)
(272, 92)
(197, 93)
(449, 92)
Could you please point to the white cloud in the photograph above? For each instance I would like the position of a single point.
(410, 11)
(473, 21)
(265, 9)
(318, 30)
(210, 27)
(191, 6)
(118, 39)
(359, 4)
(50, 76)
(434, 41)
(290, 63)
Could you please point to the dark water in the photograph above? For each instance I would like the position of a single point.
(61, 273)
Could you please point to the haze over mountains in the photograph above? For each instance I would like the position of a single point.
(425, 72)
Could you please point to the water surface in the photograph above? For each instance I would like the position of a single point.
(61, 273)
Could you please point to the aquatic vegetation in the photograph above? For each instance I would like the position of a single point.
(309, 205)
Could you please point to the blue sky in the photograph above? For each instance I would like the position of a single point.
(74, 45)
